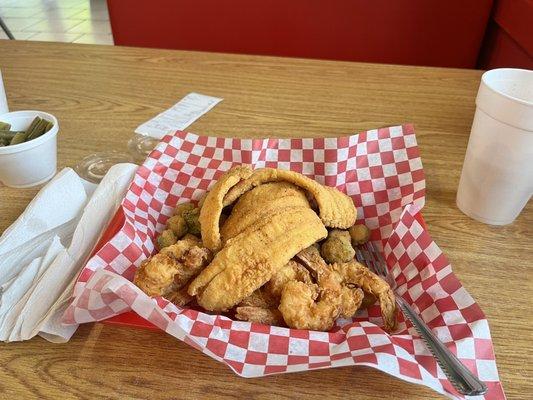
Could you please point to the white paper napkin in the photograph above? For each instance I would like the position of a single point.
(43, 251)
(13, 305)
(65, 268)
(58, 203)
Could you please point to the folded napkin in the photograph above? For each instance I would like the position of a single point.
(58, 203)
(43, 251)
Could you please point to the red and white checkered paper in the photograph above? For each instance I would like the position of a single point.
(382, 171)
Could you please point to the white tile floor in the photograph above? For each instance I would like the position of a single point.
(78, 21)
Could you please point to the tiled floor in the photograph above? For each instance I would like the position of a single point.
(78, 21)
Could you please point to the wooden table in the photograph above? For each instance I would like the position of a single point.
(100, 94)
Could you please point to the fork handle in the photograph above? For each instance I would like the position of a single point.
(461, 378)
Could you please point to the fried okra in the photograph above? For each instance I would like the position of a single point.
(165, 239)
(359, 234)
(337, 247)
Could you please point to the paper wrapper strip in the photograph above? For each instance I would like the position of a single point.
(382, 171)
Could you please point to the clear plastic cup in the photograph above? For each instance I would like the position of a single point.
(33, 162)
(497, 177)
(140, 146)
(94, 167)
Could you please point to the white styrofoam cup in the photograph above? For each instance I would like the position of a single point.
(33, 162)
(497, 177)
(3, 98)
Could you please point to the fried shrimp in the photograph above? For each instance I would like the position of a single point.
(168, 272)
(155, 276)
(313, 306)
(356, 273)
(180, 297)
(309, 306)
(292, 271)
(351, 297)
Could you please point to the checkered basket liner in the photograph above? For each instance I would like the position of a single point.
(382, 171)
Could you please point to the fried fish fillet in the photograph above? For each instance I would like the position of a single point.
(212, 206)
(258, 203)
(336, 209)
(249, 260)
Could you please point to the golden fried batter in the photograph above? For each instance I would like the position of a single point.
(336, 209)
(249, 260)
(193, 261)
(178, 249)
(360, 275)
(180, 297)
(267, 316)
(309, 306)
(258, 203)
(351, 297)
(292, 271)
(155, 276)
(212, 206)
(168, 272)
(351, 300)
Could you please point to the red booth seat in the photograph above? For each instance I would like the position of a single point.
(418, 32)
(509, 39)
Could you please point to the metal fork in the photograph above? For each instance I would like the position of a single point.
(461, 378)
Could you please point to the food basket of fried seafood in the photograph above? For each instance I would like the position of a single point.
(260, 254)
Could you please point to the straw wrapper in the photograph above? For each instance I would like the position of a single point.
(382, 171)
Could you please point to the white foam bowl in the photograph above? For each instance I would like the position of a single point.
(30, 163)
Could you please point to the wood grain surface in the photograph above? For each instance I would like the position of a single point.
(101, 93)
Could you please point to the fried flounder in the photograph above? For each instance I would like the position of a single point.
(336, 209)
(212, 206)
(257, 204)
(249, 260)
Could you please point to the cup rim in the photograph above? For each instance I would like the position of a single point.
(16, 148)
(487, 74)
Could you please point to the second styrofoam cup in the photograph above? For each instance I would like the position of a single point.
(497, 177)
